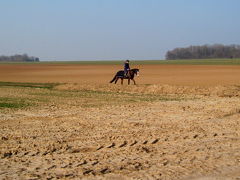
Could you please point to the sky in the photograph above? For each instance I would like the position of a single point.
(114, 29)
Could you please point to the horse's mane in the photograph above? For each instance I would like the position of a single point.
(135, 69)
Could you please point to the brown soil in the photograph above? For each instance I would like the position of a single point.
(206, 75)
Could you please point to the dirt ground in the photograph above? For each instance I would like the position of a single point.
(179, 122)
(204, 75)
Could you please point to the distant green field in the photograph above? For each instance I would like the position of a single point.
(142, 62)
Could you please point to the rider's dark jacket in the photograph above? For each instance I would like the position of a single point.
(126, 67)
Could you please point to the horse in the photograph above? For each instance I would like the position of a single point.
(130, 76)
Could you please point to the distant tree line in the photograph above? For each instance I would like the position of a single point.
(205, 52)
(19, 58)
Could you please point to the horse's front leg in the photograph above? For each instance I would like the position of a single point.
(128, 81)
(122, 81)
(134, 81)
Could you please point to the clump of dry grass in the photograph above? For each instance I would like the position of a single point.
(221, 91)
(26, 95)
(29, 95)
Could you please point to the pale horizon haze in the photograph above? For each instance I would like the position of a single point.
(114, 29)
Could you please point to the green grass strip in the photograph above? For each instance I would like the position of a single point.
(29, 85)
(137, 62)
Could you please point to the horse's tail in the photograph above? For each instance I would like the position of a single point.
(114, 78)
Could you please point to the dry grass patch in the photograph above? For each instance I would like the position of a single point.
(29, 95)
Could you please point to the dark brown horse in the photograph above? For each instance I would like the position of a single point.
(130, 76)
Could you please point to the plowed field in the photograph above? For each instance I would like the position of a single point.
(62, 121)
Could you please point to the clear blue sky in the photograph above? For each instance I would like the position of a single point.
(114, 29)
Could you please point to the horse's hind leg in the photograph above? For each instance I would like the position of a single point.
(122, 81)
(128, 81)
(116, 80)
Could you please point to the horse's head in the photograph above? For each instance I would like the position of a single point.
(136, 71)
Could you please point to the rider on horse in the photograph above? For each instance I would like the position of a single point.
(126, 68)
